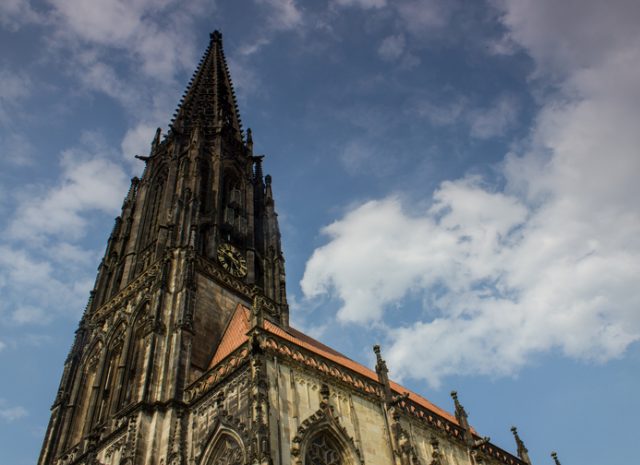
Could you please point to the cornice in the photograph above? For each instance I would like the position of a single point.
(196, 391)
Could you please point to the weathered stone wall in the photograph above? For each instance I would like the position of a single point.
(225, 407)
(294, 396)
(213, 309)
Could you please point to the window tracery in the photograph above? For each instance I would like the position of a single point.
(226, 452)
(323, 450)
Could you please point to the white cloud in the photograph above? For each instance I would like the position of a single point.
(17, 149)
(441, 115)
(366, 4)
(484, 122)
(392, 47)
(137, 141)
(44, 272)
(16, 13)
(245, 78)
(250, 49)
(565, 36)
(132, 51)
(285, 14)
(502, 46)
(33, 286)
(11, 414)
(420, 16)
(550, 263)
(495, 120)
(70, 254)
(360, 157)
(30, 315)
(89, 182)
(151, 31)
(14, 87)
(421, 250)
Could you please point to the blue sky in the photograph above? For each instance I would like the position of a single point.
(456, 180)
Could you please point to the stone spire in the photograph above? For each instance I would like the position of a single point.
(523, 452)
(383, 372)
(461, 413)
(209, 101)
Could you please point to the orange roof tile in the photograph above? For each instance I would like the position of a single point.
(236, 334)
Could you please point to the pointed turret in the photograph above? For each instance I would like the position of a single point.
(460, 412)
(209, 101)
(523, 453)
(463, 420)
(383, 372)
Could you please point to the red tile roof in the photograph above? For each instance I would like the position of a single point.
(236, 334)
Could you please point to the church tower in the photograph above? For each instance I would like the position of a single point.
(184, 354)
(198, 234)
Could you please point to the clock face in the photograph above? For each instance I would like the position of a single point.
(232, 260)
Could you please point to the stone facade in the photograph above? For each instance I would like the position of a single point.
(184, 354)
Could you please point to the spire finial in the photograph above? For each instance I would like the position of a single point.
(257, 169)
(209, 101)
(381, 365)
(461, 414)
(249, 141)
(554, 456)
(459, 408)
(156, 140)
(383, 373)
(523, 452)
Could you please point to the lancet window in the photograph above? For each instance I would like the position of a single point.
(84, 391)
(108, 392)
(134, 368)
(151, 211)
(206, 192)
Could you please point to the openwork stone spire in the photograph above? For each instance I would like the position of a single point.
(383, 372)
(460, 412)
(523, 452)
(209, 101)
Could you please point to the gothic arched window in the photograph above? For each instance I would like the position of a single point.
(322, 449)
(205, 189)
(83, 395)
(151, 211)
(134, 367)
(227, 451)
(108, 393)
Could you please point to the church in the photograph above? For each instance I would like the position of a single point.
(184, 354)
